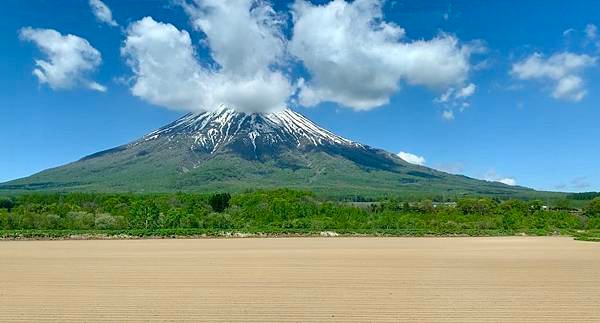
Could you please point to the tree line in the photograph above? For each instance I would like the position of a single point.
(584, 196)
(281, 211)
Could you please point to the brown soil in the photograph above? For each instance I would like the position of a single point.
(549, 279)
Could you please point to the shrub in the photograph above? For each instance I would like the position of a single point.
(512, 220)
(219, 202)
(105, 221)
(274, 211)
(53, 221)
(144, 214)
(3, 219)
(473, 206)
(563, 204)
(80, 220)
(6, 203)
(593, 223)
(219, 221)
(593, 209)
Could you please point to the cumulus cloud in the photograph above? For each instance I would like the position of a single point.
(245, 43)
(102, 12)
(244, 36)
(492, 176)
(165, 69)
(358, 60)
(412, 158)
(563, 70)
(353, 57)
(70, 59)
(448, 115)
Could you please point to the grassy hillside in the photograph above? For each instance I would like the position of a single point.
(230, 151)
(319, 172)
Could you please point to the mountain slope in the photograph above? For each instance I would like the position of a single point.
(228, 150)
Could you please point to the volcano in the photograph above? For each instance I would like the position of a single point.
(234, 151)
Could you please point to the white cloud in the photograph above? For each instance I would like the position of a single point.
(492, 176)
(358, 60)
(244, 41)
(244, 36)
(411, 158)
(570, 87)
(591, 32)
(568, 32)
(446, 96)
(448, 115)
(102, 12)
(456, 99)
(466, 91)
(69, 59)
(591, 35)
(508, 181)
(563, 70)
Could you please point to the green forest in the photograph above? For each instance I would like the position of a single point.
(282, 212)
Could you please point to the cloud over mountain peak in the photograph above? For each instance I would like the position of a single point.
(352, 57)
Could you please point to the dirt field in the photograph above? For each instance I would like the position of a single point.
(302, 279)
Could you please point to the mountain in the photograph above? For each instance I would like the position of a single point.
(229, 150)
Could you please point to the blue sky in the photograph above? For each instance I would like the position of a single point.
(531, 118)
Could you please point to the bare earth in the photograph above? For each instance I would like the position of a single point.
(302, 279)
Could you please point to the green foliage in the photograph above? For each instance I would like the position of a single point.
(79, 220)
(536, 205)
(54, 222)
(590, 235)
(330, 175)
(475, 205)
(282, 211)
(105, 221)
(219, 202)
(563, 204)
(583, 196)
(6, 203)
(593, 209)
(4, 219)
(144, 214)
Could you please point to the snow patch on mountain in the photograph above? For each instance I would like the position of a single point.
(215, 129)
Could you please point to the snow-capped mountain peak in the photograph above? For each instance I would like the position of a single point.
(213, 130)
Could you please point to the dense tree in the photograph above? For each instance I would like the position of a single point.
(54, 221)
(536, 205)
(478, 206)
(593, 209)
(283, 211)
(105, 221)
(144, 214)
(219, 202)
(563, 204)
(583, 196)
(6, 203)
